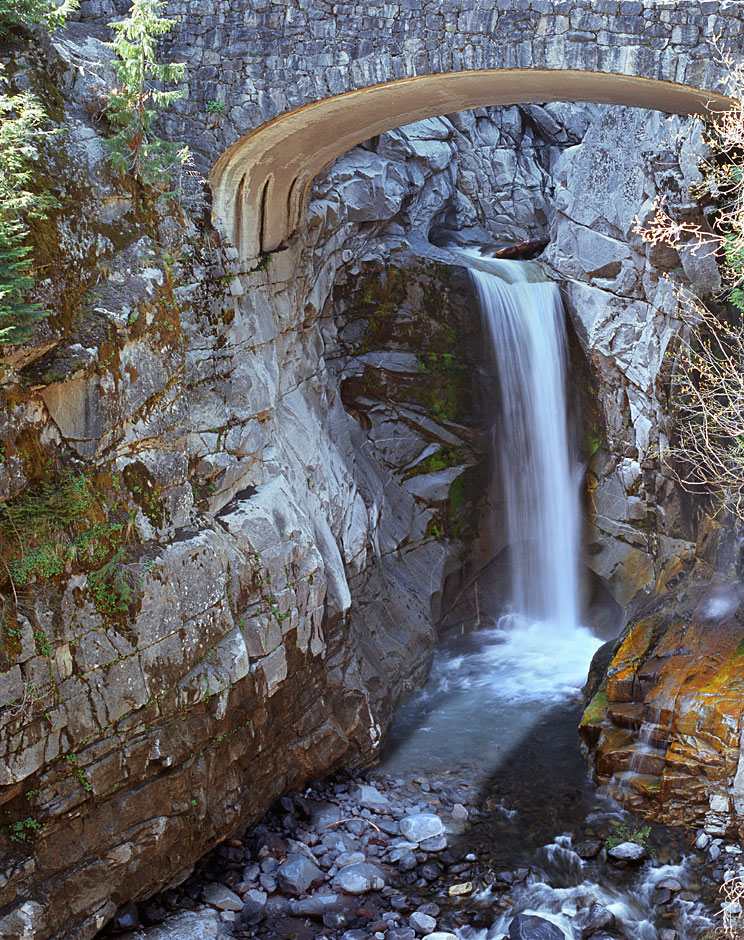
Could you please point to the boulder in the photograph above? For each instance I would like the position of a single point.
(595, 919)
(421, 826)
(296, 874)
(359, 878)
(422, 923)
(221, 897)
(627, 853)
(530, 927)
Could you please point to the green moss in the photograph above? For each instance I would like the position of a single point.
(648, 524)
(445, 457)
(596, 709)
(739, 651)
(593, 440)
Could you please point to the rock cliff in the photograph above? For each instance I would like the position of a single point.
(231, 497)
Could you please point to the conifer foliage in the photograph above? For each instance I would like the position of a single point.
(21, 119)
(139, 98)
(14, 13)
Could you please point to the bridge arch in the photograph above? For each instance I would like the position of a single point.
(261, 183)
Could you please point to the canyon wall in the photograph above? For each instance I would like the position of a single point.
(263, 477)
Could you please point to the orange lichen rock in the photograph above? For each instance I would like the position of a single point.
(667, 737)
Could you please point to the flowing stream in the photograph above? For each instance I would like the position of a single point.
(502, 702)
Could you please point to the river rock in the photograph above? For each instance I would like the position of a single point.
(407, 860)
(324, 815)
(440, 935)
(595, 919)
(421, 826)
(670, 884)
(126, 918)
(422, 923)
(349, 858)
(190, 925)
(221, 897)
(315, 906)
(435, 844)
(628, 853)
(296, 874)
(254, 907)
(359, 878)
(529, 927)
(589, 849)
(371, 798)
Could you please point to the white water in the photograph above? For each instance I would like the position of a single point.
(537, 654)
(567, 890)
(525, 321)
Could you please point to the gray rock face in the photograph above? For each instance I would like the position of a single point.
(420, 827)
(296, 874)
(360, 878)
(626, 316)
(192, 925)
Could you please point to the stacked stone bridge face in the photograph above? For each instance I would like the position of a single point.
(299, 82)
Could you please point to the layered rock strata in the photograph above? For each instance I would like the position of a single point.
(665, 725)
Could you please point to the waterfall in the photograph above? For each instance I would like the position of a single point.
(525, 322)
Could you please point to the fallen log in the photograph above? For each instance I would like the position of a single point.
(524, 250)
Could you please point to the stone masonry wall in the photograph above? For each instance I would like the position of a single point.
(261, 59)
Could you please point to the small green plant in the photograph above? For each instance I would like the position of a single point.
(214, 107)
(625, 833)
(112, 587)
(77, 771)
(43, 647)
(24, 830)
(136, 102)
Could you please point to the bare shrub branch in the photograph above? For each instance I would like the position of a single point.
(707, 395)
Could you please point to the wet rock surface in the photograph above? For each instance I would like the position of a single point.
(664, 724)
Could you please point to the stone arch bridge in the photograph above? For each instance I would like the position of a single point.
(302, 81)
